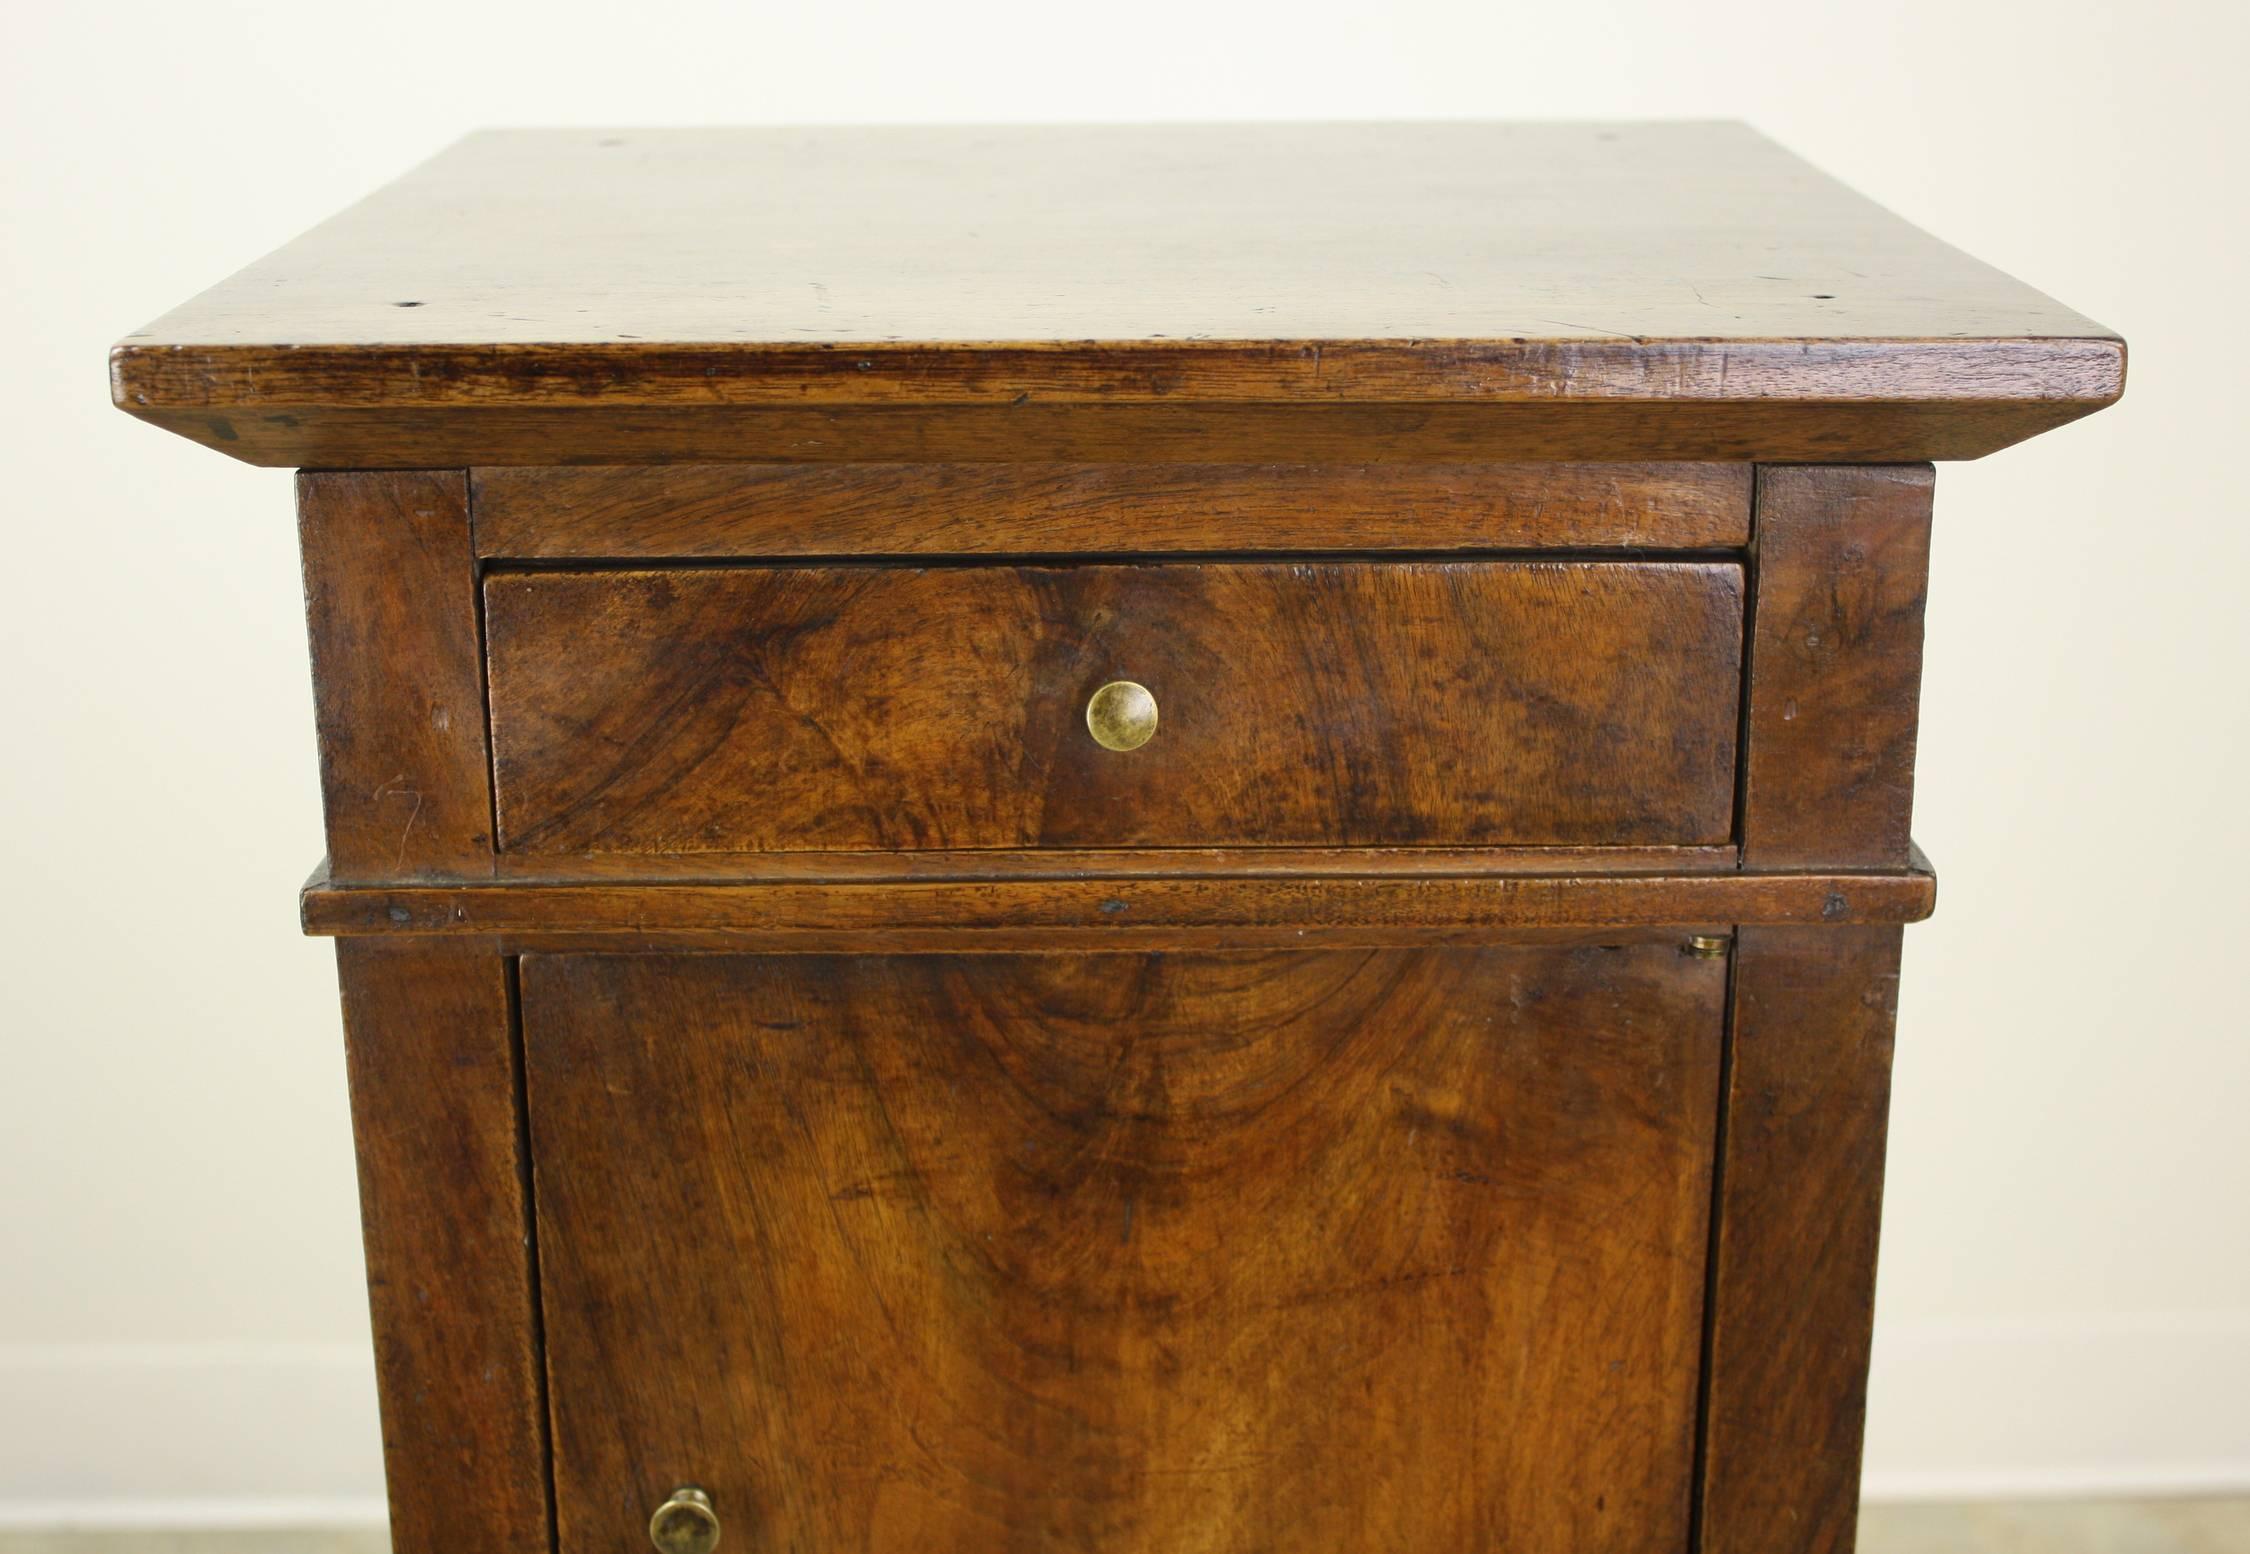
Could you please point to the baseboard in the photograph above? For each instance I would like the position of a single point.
(189, 1435)
(189, 1515)
(2148, 1405)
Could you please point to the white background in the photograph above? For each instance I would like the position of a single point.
(2065, 1299)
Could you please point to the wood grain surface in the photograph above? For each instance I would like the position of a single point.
(430, 1042)
(398, 687)
(1799, 1209)
(1137, 1255)
(746, 709)
(1531, 266)
(1091, 863)
(719, 510)
(1843, 559)
(1789, 431)
(1148, 912)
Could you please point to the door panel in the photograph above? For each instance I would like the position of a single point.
(1164, 1253)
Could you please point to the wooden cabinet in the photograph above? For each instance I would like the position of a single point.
(1118, 841)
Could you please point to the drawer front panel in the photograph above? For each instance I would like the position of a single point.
(1129, 1254)
(890, 707)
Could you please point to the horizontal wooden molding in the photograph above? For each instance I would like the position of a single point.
(1117, 913)
(485, 434)
(186, 376)
(1037, 863)
(722, 510)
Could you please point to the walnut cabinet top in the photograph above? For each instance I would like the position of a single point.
(1375, 292)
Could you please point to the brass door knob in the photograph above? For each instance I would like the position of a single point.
(1121, 716)
(685, 1524)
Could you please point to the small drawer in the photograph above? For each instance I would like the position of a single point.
(890, 708)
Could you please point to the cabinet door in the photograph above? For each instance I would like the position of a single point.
(1144, 1254)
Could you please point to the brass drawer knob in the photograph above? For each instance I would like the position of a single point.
(1121, 716)
(685, 1524)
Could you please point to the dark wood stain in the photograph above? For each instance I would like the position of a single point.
(391, 604)
(621, 303)
(1793, 1280)
(1010, 864)
(673, 512)
(1836, 668)
(1128, 1253)
(431, 1051)
(1145, 912)
(1877, 429)
(750, 709)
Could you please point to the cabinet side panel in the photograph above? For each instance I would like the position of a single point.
(1799, 1205)
(398, 690)
(1835, 665)
(431, 1051)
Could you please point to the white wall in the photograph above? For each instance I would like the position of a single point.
(2066, 1276)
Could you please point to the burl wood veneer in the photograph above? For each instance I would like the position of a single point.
(1161, 841)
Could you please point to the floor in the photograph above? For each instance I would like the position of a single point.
(2052, 1527)
(2047, 1527)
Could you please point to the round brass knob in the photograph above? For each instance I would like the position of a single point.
(1121, 716)
(685, 1524)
